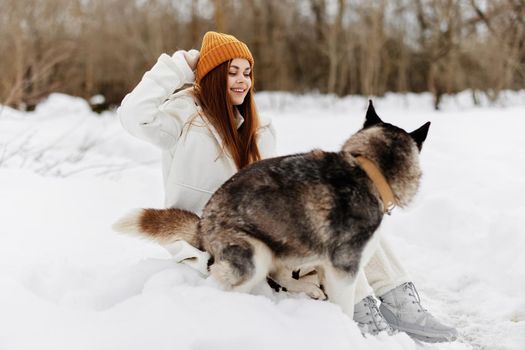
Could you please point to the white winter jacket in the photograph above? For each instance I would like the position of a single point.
(193, 161)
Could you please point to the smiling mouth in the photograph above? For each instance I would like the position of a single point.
(238, 91)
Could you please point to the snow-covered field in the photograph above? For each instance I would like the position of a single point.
(67, 281)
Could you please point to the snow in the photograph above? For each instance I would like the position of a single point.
(69, 282)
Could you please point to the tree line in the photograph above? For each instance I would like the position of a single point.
(102, 47)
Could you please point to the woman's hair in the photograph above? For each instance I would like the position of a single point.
(211, 92)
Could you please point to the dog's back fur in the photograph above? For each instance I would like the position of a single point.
(317, 209)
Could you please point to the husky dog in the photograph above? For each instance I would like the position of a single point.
(310, 210)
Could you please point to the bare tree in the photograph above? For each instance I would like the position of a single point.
(88, 47)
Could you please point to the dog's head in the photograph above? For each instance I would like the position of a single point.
(394, 151)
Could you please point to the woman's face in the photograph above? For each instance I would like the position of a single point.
(239, 81)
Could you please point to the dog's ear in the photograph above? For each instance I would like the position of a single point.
(420, 135)
(371, 116)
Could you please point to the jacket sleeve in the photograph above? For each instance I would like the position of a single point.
(266, 141)
(140, 112)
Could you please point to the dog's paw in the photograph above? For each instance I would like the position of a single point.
(314, 292)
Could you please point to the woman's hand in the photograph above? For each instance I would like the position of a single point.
(192, 57)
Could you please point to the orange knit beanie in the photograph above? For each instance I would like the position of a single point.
(218, 48)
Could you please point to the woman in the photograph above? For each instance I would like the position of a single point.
(206, 133)
(211, 130)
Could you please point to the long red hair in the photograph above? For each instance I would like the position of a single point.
(211, 92)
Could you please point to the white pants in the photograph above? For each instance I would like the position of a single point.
(382, 273)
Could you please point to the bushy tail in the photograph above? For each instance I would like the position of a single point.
(162, 225)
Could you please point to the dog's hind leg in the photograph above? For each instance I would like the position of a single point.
(339, 287)
(240, 266)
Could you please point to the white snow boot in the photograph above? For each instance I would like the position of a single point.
(401, 308)
(369, 318)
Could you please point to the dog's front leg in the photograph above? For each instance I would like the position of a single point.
(283, 277)
(339, 286)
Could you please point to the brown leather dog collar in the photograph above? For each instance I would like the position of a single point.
(384, 189)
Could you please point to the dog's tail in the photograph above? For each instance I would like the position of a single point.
(162, 225)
